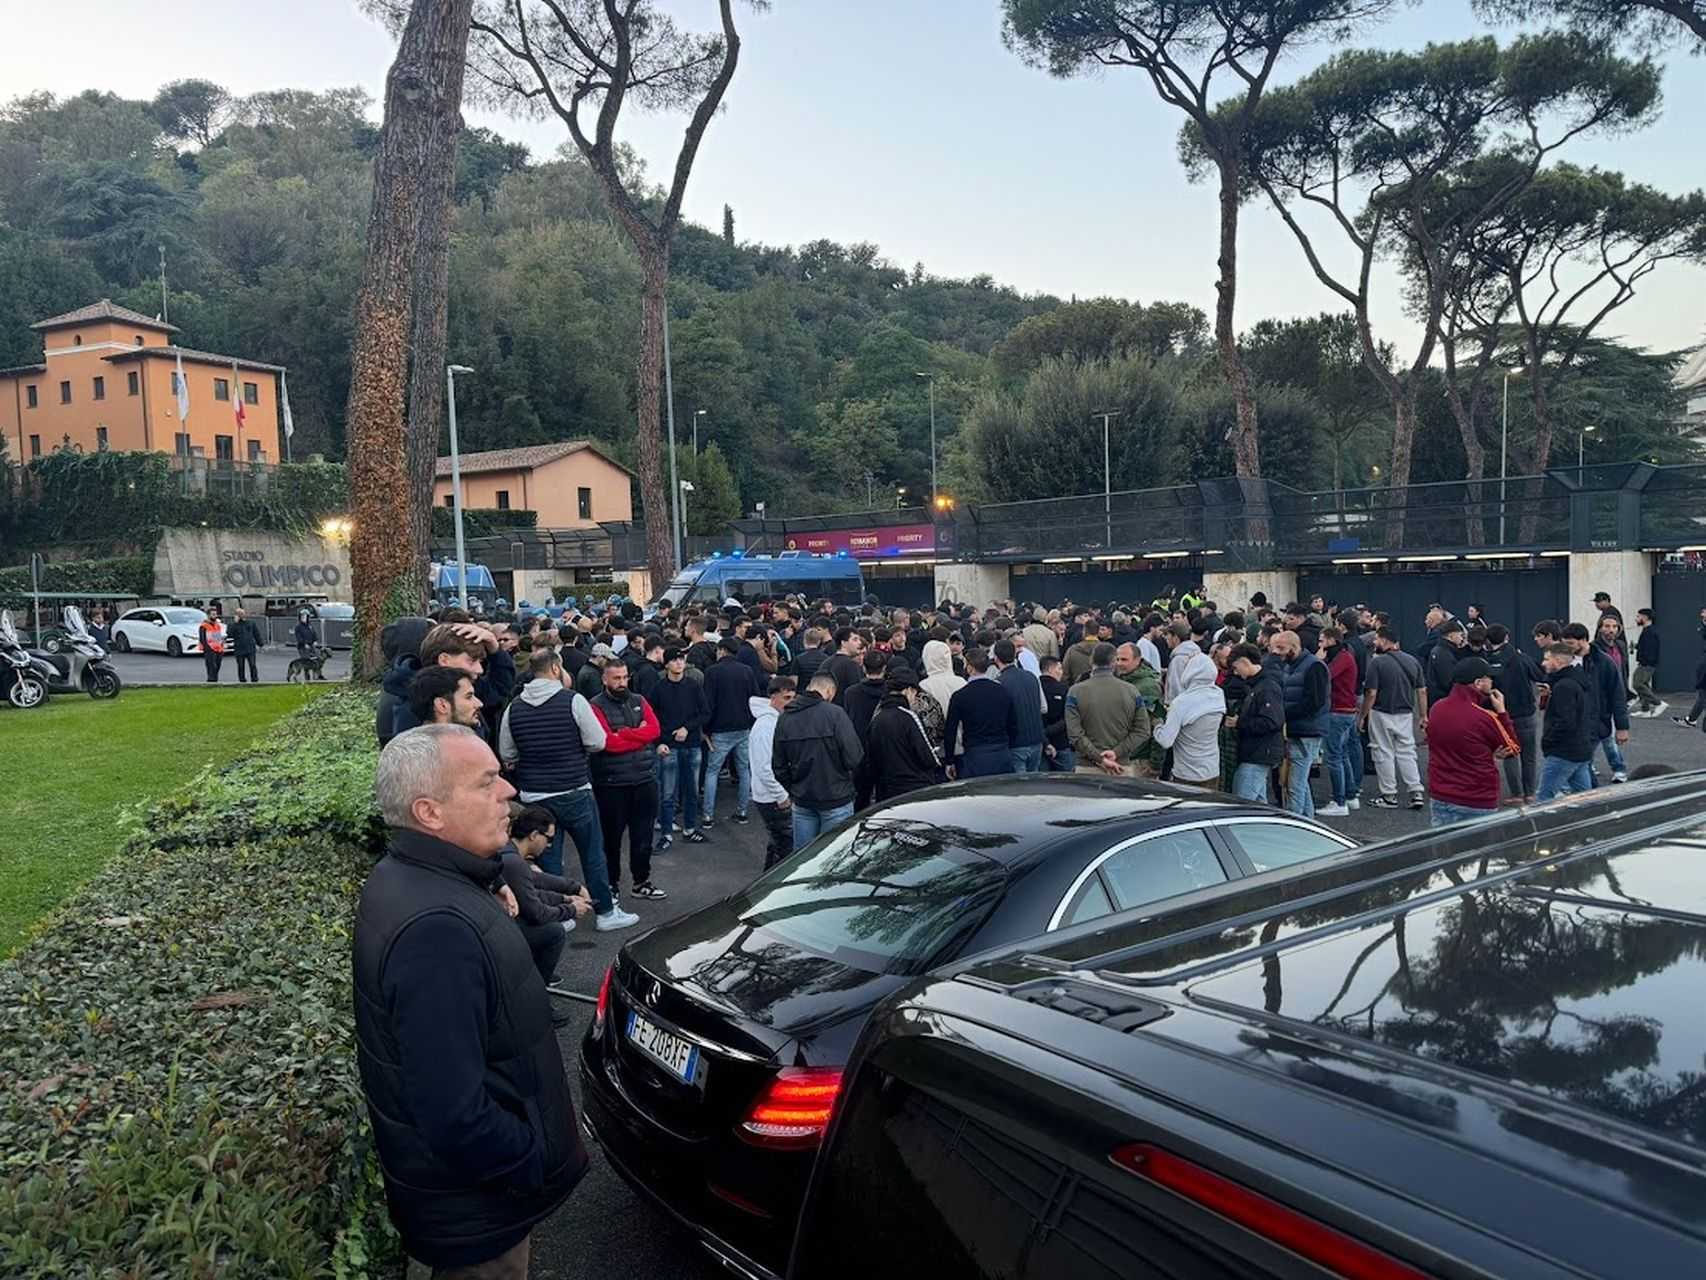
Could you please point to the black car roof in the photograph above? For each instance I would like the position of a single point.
(1565, 955)
(1035, 811)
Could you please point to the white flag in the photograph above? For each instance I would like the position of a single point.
(289, 422)
(183, 390)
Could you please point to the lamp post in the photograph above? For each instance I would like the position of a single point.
(697, 414)
(1504, 446)
(686, 488)
(1107, 417)
(450, 372)
(1582, 446)
(899, 496)
(931, 379)
(870, 490)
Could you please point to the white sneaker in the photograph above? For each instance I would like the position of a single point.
(1331, 811)
(614, 919)
(1354, 803)
(1659, 710)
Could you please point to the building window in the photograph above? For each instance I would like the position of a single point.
(101, 439)
(65, 393)
(450, 499)
(35, 446)
(139, 339)
(251, 393)
(254, 451)
(133, 381)
(181, 443)
(100, 388)
(585, 498)
(221, 389)
(77, 341)
(503, 499)
(30, 396)
(223, 448)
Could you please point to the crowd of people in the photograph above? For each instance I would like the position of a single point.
(502, 741)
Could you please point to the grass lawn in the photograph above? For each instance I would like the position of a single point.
(76, 763)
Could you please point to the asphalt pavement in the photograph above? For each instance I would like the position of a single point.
(605, 1230)
(271, 663)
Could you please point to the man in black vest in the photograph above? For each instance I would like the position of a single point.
(464, 1081)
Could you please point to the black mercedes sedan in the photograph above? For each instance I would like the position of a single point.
(1475, 1053)
(714, 1060)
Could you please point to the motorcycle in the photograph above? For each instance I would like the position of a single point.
(79, 665)
(23, 685)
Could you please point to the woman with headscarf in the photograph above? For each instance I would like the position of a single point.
(1192, 726)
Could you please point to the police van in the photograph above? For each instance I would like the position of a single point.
(710, 582)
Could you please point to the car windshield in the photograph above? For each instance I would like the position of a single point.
(885, 894)
(183, 615)
(336, 611)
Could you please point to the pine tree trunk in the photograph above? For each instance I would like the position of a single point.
(1542, 439)
(1403, 445)
(654, 501)
(431, 323)
(1246, 449)
(386, 582)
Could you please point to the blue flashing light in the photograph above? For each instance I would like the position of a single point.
(738, 553)
(716, 555)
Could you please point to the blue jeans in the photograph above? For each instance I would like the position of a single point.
(1250, 782)
(1441, 814)
(1344, 756)
(1303, 753)
(678, 772)
(577, 815)
(984, 762)
(1561, 777)
(809, 823)
(1613, 754)
(1028, 759)
(1065, 761)
(723, 745)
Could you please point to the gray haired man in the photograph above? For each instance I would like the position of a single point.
(464, 1081)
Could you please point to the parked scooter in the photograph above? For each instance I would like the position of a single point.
(80, 664)
(23, 685)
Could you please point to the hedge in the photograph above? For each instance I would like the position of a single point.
(131, 575)
(178, 1090)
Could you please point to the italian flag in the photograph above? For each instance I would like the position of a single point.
(237, 396)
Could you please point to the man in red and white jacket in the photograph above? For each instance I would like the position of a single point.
(624, 779)
(1469, 732)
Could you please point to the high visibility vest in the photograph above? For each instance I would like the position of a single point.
(212, 637)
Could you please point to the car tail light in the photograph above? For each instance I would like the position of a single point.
(603, 1002)
(794, 1110)
(1325, 1246)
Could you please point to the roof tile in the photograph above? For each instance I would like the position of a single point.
(105, 309)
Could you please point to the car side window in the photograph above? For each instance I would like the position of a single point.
(1092, 901)
(1171, 863)
(1271, 845)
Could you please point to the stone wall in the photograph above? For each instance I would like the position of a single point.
(249, 562)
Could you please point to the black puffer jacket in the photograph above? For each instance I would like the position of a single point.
(1568, 732)
(815, 753)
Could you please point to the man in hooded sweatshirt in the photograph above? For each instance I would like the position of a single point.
(814, 755)
(1567, 740)
(939, 681)
(1077, 662)
(400, 645)
(774, 807)
(861, 704)
(899, 755)
(1192, 726)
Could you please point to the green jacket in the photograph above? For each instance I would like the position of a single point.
(1147, 681)
(1104, 713)
(1075, 665)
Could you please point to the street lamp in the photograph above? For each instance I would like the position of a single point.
(931, 379)
(697, 414)
(899, 496)
(1504, 445)
(686, 488)
(450, 372)
(1107, 416)
(1582, 445)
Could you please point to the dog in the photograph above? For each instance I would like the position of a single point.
(309, 668)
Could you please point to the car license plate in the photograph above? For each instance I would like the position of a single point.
(672, 1053)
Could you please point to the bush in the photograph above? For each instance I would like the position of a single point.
(178, 1089)
(132, 575)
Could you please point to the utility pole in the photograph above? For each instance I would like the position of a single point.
(870, 491)
(1107, 477)
(165, 317)
(931, 379)
(450, 372)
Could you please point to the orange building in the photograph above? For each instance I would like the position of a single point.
(571, 485)
(108, 380)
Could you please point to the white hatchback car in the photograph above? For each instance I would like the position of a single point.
(170, 630)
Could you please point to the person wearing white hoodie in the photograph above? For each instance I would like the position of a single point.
(768, 794)
(1192, 726)
(941, 684)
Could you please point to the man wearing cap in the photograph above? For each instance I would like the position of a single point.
(1469, 732)
(589, 680)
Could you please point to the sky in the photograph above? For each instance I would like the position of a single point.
(904, 123)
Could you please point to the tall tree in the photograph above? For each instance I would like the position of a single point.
(192, 110)
(1552, 265)
(1181, 46)
(1368, 137)
(598, 56)
(411, 167)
